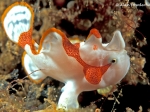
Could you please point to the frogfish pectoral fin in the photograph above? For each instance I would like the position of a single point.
(68, 98)
(34, 73)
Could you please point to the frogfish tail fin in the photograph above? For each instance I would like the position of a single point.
(17, 21)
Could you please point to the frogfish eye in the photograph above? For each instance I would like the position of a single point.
(113, 60)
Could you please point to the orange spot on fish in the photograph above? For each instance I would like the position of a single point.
(94, 74)
(26, 38)
(95, 47)
(94, 32)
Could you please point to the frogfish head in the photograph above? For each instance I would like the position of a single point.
(97, 54)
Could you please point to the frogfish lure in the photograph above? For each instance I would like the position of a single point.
(84, 66)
